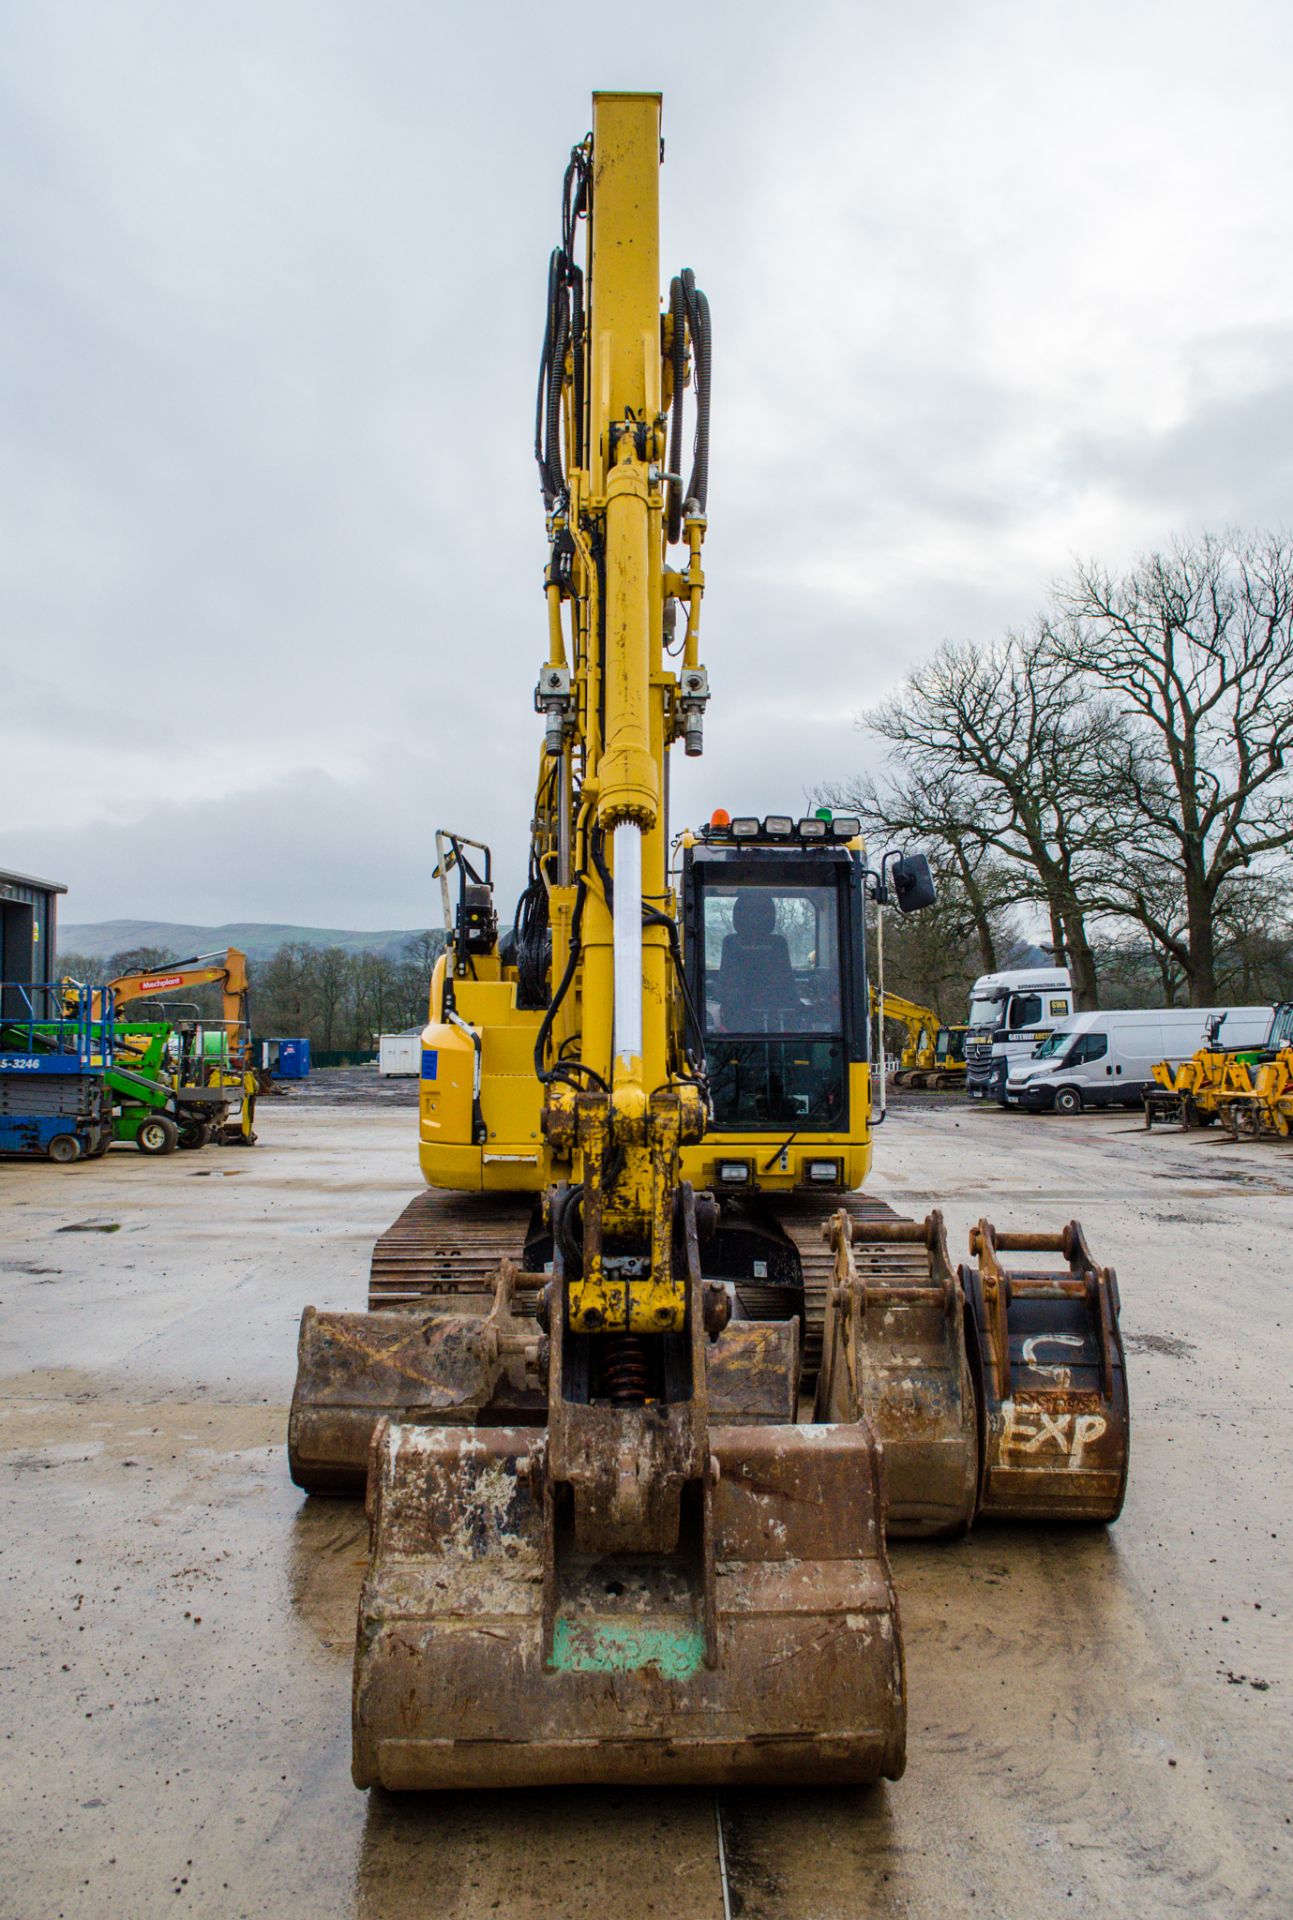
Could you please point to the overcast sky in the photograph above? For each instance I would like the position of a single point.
(994, 286)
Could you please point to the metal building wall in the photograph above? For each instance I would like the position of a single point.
(28, 927)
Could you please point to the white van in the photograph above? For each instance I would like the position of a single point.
(1108, 1059)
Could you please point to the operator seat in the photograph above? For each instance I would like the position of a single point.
(755, 979)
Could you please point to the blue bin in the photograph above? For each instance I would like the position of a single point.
(289, 1059)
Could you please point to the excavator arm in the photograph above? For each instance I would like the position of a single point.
(620, 1097)
(227, 970)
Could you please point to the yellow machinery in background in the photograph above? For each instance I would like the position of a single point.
(618, 1396)
(933, 1055)
(1256, 1095)
(1219, 1083)
(221, 1081)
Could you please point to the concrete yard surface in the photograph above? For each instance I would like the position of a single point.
(1101, 1721)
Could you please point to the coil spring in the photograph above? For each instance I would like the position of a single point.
(625, 1375)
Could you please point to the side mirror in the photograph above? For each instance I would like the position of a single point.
(913, 883)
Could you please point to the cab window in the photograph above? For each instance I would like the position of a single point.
(772, 993)
(1088, 1046)
(772, 960)
(1026, 1010)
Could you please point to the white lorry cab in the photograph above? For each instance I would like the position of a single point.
(1108, 1059)
(1011, 1013)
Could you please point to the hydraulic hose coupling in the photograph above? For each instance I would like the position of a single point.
(554, 700)
(693, 694)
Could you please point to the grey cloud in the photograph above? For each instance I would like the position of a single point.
(270, 282)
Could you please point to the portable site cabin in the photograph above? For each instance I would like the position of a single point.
(400, 1054)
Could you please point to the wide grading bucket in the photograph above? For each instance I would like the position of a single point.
(492, 1653)
(439, 1369)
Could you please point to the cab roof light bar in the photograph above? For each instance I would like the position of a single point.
(781, 826)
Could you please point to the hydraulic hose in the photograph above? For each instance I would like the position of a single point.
(697, 307)
(563, 328)
(678, 359)
(562, 1069)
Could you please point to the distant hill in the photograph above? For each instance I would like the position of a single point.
(257, 939)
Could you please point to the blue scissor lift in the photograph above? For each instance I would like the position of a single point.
(54, 1099)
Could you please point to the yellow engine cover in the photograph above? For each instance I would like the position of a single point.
(511, 1157)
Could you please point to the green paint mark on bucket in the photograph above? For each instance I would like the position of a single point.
(602, 1646)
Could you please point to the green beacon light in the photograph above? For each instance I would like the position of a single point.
(823, 813)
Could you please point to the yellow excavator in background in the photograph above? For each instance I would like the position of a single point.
(933, 1055)
(631, 1365)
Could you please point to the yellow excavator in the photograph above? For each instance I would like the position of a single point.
(644, 1380)
(933, 1055)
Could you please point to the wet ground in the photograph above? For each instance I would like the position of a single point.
(1100, 1722)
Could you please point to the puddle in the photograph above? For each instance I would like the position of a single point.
(1165, 1343)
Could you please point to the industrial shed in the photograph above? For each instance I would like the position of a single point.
(28, 927)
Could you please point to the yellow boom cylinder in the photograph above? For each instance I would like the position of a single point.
(628, 781)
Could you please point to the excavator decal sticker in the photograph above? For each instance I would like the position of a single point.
(430, 1063)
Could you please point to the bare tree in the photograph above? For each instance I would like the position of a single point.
(1196, 644)
(936, 811)
(1255, 938)
(1013, 725)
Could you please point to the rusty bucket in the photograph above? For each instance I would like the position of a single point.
(894, 1354)
(493, 1653)
(355, 1369)
(1052, 1380)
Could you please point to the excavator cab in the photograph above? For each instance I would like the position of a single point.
(775, 955)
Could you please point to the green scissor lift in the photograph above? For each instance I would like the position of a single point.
(151, 1107)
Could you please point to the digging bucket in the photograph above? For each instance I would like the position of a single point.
(894, 1354)
(491, 1653)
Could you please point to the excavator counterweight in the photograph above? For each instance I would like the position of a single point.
(615, 1537)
